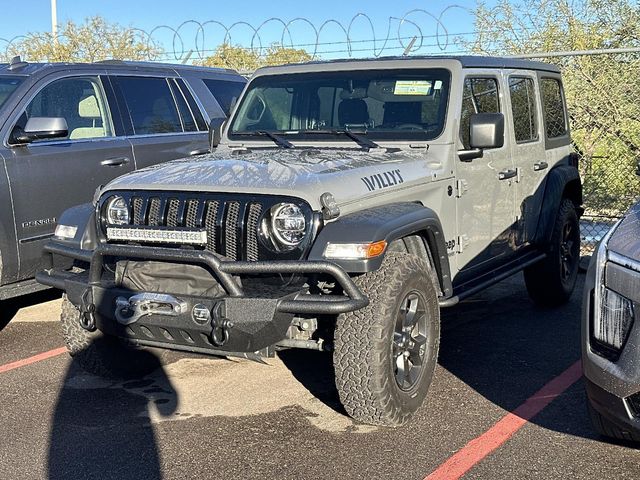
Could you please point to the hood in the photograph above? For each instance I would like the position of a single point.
(348, 174)
(626, 239)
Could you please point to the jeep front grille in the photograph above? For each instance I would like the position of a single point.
(232, 222)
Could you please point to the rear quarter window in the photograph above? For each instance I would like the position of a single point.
(553, 108)
(226, 92)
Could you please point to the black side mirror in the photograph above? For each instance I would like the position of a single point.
(486, 130)
(215, 132)
(42, 128)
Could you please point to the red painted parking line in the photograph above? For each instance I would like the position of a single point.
(36, 358)
(478, 448)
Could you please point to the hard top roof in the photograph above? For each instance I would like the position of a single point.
(466, 61)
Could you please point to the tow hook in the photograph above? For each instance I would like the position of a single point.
(87, 311)
(221, 325)
(130, 310)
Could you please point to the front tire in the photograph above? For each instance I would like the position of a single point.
(101, 354)
(551, 281)
(385, 354)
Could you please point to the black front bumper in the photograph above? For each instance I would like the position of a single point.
(239, 322)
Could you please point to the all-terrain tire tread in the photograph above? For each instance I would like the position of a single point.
(359, 339)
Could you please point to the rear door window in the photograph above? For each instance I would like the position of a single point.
(193, 105)
(226, 92)
(151, 105)
(523, 107)
(188, 122)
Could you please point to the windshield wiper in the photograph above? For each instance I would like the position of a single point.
(278, 140)
(356, 137)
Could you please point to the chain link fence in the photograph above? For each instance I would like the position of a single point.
(603, 95)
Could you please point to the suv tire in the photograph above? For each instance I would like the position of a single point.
(550, 282)
(370, 344)
(101, 354)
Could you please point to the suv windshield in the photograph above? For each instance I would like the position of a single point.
(7, 86)
(383, 104)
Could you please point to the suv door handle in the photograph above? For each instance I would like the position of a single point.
(506, 174)
(540, 166)
(114, 162)
(200, 151)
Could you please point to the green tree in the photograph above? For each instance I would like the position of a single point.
(247, 59)
(95, 39)
(602, 91)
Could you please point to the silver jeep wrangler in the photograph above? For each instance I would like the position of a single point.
(345, 204)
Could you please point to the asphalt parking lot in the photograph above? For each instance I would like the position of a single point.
(201, 417)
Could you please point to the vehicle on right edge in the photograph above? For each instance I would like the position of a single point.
(610, 336)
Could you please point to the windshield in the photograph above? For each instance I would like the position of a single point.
(7, 86)
(383, 104)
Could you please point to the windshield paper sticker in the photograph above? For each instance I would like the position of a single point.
(413, 87)
(383, 180)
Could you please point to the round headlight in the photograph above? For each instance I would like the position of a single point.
(288, 224)
(117, 212)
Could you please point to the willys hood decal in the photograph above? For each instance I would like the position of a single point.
(305, 173)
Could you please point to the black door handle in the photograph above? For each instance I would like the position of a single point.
(540, 166)
(506, 174)
(114, 162)
(200, 151)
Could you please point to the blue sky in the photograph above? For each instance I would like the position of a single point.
(147, 14)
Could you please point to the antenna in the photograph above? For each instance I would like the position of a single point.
(187, 57)
(407, 50)
(16, 63)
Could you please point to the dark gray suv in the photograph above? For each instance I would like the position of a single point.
(68, 128)
(610, 334)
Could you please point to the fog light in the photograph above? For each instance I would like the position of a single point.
(65, 231)
(354, 251)
(613, 320)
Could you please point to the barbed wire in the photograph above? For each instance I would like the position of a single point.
(414, 31)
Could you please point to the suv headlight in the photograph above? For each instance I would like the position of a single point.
(287, 225)
(613, 313)
(613, 319)
(117, 211)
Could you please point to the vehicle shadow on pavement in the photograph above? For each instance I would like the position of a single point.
(314, 370)
(505, 348)
(11, 306)
(101, 427)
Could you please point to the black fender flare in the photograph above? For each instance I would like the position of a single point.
(562, 181)
(387, 222)
(83, 217)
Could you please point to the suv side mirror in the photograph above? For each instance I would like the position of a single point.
(215, 132)
(486, 130)
(41, 128)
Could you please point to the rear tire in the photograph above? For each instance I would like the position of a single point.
(385, 354)
(101, 354)
(551, 281)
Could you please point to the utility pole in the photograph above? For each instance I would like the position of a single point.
(54, 19)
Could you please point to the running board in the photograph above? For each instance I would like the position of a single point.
(24, 287)
(498, 277)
